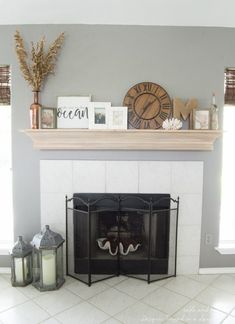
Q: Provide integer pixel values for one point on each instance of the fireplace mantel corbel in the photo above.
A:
(131, 139)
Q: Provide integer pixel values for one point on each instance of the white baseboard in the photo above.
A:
(216, 270)
(5, 270)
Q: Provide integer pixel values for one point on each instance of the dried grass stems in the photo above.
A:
(36, 66)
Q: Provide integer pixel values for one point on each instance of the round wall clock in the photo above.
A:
(148, 105)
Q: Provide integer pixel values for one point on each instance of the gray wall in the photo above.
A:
(106, 61)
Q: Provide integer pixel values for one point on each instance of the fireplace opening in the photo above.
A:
(129, 234)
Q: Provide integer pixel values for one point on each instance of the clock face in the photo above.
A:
(148, 105)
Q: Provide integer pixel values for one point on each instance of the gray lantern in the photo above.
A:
(21, 263)
(48, 272)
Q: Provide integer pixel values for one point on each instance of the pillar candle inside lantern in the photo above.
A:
(48, 269)
(19, 269)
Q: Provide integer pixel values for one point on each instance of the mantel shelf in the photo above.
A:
(84, 139)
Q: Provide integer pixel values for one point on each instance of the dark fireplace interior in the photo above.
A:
(128, 234)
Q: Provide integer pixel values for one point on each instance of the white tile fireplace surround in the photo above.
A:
(178, 178)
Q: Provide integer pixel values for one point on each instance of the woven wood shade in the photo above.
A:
(5, 85)
(229, 83)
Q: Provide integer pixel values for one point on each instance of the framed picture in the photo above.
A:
(47, 117)
(118, 118)
(99, 115)
(72, 112)
(201, 119)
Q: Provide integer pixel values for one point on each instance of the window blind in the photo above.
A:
(229, 84)
(5, 85)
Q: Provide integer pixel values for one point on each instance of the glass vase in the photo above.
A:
(35, 111)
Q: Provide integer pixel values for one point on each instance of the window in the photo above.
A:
(227, 219)
(6, 216)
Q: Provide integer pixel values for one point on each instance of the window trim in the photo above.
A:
(226, 247)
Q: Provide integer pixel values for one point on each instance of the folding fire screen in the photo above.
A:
(129, 234)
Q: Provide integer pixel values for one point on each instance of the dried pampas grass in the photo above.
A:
(40, 63)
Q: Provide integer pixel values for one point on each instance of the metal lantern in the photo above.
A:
(21, 263)
(48, 272)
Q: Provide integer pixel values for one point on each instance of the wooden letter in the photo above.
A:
(182, 109)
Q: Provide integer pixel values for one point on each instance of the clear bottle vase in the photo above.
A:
(214, 118)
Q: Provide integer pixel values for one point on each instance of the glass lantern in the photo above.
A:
(21, 263)
(48, 267)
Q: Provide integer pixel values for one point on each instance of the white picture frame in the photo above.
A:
(201, 119)
(99, 115)
(118, 117)
(73, 111)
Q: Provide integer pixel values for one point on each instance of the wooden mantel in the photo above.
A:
(84, 139)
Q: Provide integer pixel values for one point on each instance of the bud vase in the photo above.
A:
(214, 118)
(35, 111)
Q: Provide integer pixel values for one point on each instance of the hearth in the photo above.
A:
(129, 234)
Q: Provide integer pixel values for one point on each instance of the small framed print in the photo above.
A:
(201, 119)
(99, 115)
(118, 118)
(72, 111)
(48, 117)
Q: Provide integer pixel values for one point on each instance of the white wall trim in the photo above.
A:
(4, 252)
(216, 270)
(6, 247)
(5, 270)
(226, 249)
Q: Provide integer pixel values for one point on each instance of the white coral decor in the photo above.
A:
(172, 123)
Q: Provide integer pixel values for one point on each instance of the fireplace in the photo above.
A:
(59, 178)
(128, 234)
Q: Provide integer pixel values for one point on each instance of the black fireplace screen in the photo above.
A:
(129, 234)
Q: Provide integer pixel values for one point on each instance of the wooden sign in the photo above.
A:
(182, 109)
